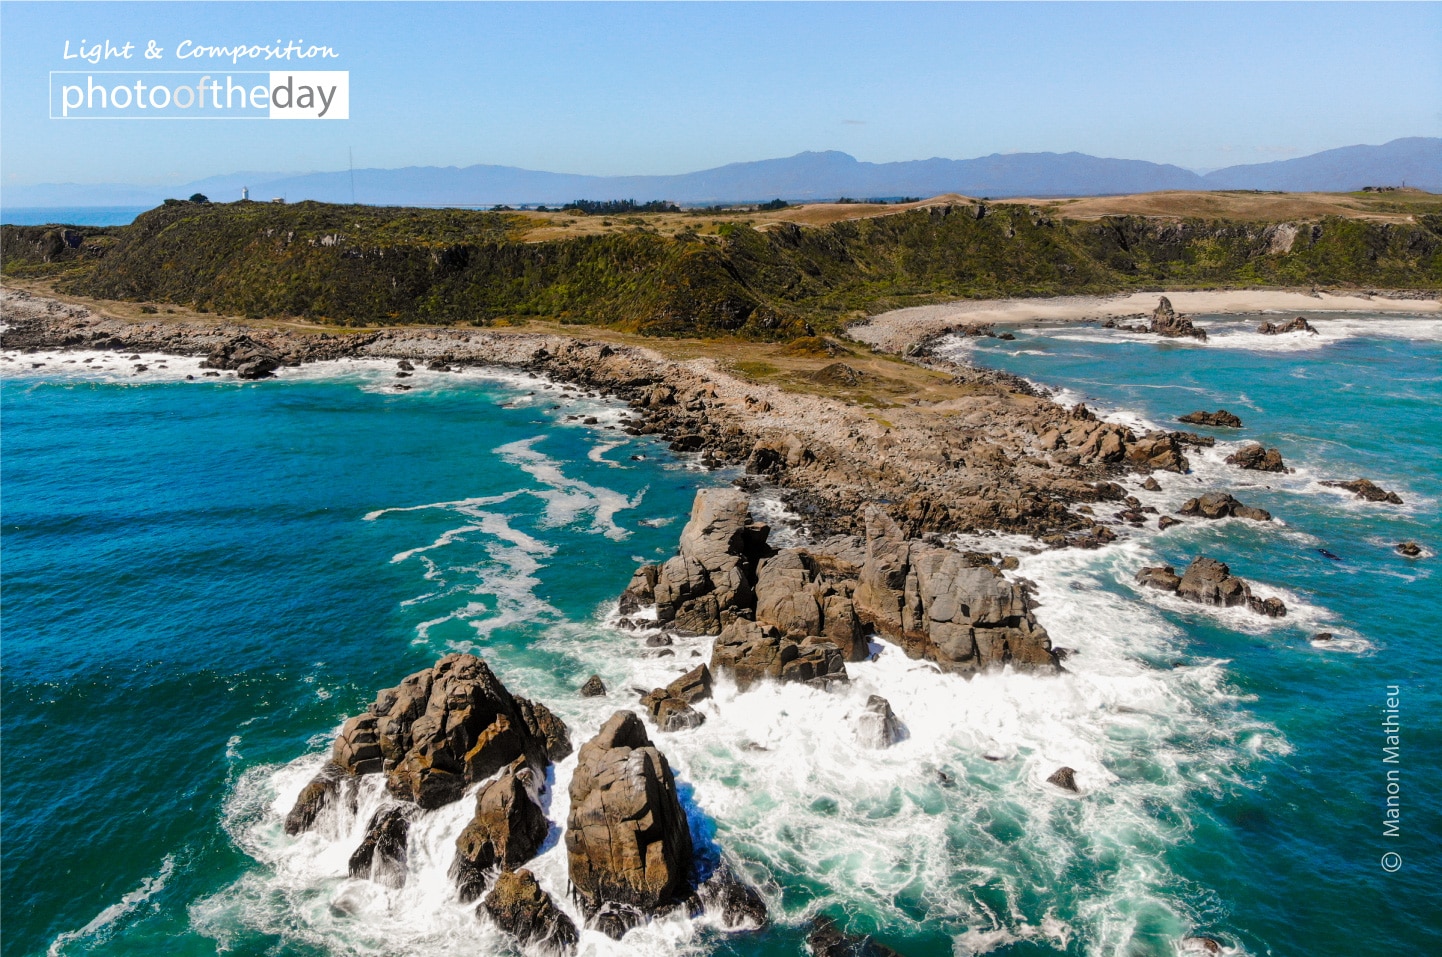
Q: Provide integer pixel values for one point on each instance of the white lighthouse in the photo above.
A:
(244, 193)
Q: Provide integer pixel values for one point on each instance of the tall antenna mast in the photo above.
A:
(350, 153)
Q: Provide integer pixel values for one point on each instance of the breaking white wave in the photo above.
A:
(105, 923)
(567, 498)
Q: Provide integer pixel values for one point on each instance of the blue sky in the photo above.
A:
(614, 88)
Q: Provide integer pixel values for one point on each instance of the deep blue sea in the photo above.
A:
(202, 579)
(70, 215)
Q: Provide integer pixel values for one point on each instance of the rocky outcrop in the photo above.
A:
(937, 605)
(594, 687)
(1298, 324)
(671, 705)
(751, 651)
(1257, 459)
(1064, 778)
(710, 580)
(627, 842)
(1366, 490)
(522, 909)
(1210, 582)
(1409, 549)
(382, 854)
(445, 727)
(1083, 439)
(642, 590)
(877, 726)
(315, 797)
(506, 831)
(828, 940)
(1219, 419)
(248, 358)
(1166, 322)
(793, 594)
(1222, 505)
(731, 899)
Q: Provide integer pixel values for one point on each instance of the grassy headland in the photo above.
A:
(759, 275)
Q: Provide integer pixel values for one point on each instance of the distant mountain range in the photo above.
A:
(1415, 161)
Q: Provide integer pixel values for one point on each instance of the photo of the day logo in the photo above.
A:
(197, 95)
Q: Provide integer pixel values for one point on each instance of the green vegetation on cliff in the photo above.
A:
(360, 265)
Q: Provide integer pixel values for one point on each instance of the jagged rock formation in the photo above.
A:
(1210, 582)
(1257, 459)
(877, 726)
(750, 651)
(627, 842)
(1409, 549)
(938, 606)
(1166, 322)
(1084, 439)
(1064, 778)
(710, 580)
(445, 727)
(828, 940)
(671, 705)
(1221, 505)
(594, 687)
(1366, 490)
(1218, 419)
(382, 855)
(507, 830)
(737, 903)
(315, 797)
(1298, 324)
(248, 358)
(522, 909)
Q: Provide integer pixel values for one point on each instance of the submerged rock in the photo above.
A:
(522, 909)
(382, 855)
(1257, 459)
(627, 840)
(1367, 490)
(828, 940)
(1218, 419)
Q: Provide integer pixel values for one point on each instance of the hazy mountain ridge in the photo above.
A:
(1417, 161)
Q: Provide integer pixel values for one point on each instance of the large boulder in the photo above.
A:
(1257, 459)
(1218, 419)
(795, 594)
(671, 705)
(1222, 505)
(711, 576)
(1211, 582)
(1367, 490)
(642, 590)
(627, 841)
(248, 358)
(939, 605)
(521, 908)
(446, 727)
(1166, 322)
(878, 726)
(750, 651)
(506, 831)
(1157, 450)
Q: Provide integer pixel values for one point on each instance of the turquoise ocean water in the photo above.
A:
(202, 579)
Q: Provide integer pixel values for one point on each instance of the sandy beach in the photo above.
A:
(894, 331)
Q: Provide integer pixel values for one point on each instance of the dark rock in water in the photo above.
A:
(1211, 582)
(405, 366)
(1257, 459)
(507, 830)
(1160, 576)
(1298, 324)
(382, 854)
(1007, 337)
(828, 940)
(1152, 485)
(1365, 489)
(614, 920)
(1221, 505)
(671, 705)
(1064, 778)
(1200, 945)
(1271, 607)
(1218, 419)
(938, 606)
(438, 365)
(246, 357)
(659, 641)
(737, 903)
(751, 651)
(593, 688)
(445, 727)
(1409, 549)
(627, 841)
(545, 726)
(1194, 440)
(1323, 636)
(1166, 521)
(314, 798)
(1166, 322)
(878, 726)
(1330, 556)
(642, 590)
(522, 909)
